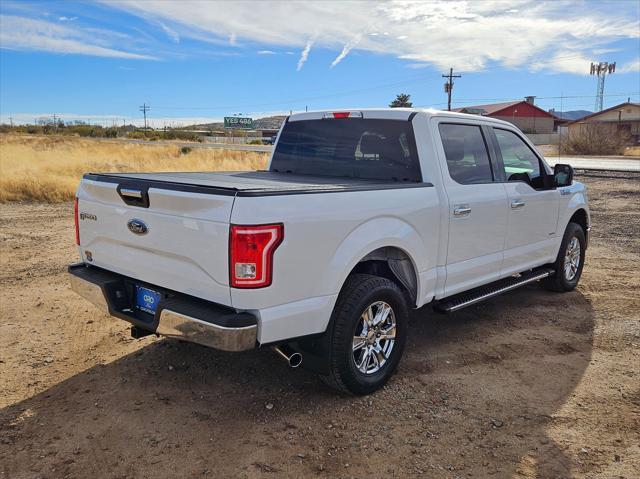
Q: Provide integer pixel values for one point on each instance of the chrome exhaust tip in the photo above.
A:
(292, 357)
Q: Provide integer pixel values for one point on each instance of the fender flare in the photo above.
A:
(366, 238)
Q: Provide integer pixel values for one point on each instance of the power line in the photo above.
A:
(448, 87)
(144, 109)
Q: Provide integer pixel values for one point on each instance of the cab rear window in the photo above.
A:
(373, 149)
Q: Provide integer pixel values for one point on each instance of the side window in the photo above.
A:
(520, 163)
(466, 153)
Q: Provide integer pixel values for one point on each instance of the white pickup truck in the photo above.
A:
(360, 216)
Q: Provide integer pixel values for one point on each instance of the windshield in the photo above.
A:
(349, 147)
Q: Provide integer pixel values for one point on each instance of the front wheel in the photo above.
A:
(570, 260)
(368, 335)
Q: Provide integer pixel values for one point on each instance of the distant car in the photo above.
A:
(360, 216)
(270, 140)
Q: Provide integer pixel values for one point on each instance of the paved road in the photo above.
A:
(616, 163)
(213, 146)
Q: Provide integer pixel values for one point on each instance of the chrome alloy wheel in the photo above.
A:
(572, 259)
(375, 336)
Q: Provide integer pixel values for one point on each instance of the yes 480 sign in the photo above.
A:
(238, 122)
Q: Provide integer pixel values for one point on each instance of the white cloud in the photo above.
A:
(466, 35)
(564, 62)
(629, 67)
(20, 33)
(345, 51)
(171, 33)
(304, 55)
(266, 52)
(67, 19)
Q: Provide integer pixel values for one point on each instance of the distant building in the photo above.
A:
(623, 118)
(524, 114)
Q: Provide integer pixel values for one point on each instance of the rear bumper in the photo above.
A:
(177, 315)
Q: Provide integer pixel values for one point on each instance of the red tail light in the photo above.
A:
(251, 251)
(75, 217)
(342, 114)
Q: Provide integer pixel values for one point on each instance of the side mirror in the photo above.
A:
(562, 175)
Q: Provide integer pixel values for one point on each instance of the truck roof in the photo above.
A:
(393, 114)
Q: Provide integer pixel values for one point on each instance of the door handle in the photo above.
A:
(515, 204)
(461, 211)
(131, 193)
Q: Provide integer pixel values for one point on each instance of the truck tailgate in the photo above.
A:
(184, 248)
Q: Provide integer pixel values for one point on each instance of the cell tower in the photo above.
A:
(601, 70)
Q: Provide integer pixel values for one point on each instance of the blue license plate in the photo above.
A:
(147, 299)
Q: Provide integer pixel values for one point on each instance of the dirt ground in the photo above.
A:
(531, 384)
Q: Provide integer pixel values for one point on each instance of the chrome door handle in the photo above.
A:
(131, 193)
(461, 211)
(517, 204)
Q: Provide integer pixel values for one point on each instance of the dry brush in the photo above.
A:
(49, 168)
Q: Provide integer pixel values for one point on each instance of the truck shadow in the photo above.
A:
(475, 395)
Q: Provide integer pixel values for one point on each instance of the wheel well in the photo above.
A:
(394, 264)
(580, 217)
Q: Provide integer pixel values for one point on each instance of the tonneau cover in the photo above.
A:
(254, 182)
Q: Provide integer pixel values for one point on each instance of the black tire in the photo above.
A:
(559, 281)
(359, 292)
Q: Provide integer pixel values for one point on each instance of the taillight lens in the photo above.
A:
(251, 249)
(75, 217)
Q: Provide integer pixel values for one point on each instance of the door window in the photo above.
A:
(466, 153)
(520, 163)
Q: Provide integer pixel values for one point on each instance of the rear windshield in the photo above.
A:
(349, 147)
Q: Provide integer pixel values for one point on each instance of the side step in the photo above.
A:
(473, 296)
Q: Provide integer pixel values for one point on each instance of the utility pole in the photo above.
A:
(144, 109)
(448, 87)
(11, 121)
(601, 70)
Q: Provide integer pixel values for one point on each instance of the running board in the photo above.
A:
(462, 300)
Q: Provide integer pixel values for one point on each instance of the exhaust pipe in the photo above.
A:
(292, 357)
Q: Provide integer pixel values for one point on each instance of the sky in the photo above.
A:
(198, 61)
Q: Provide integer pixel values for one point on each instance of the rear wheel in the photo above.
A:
(368, 334)
(570, 260)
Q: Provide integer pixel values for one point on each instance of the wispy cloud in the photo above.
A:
(266, 52)
(171, 33)
(67, 19)
(630, 67)
(345, 51)
(467, 35)
(20, 33)
(304, 55)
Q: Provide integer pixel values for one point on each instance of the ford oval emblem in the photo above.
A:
(137, 227)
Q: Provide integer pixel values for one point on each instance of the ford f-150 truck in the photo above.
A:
(361, 216)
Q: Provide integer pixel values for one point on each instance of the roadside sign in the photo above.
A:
(238, 122)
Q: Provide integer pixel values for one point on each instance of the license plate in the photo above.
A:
(147, 299)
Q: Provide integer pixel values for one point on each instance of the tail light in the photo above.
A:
(75, 217)
(251, 249)
(342, 114)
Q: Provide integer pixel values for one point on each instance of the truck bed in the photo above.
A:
(253, 183)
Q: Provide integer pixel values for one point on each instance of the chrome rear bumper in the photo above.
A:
(178, 316)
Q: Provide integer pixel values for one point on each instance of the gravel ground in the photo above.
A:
(531, 384)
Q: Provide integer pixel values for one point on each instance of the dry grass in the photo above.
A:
(49, 168)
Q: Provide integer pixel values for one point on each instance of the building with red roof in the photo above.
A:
(524, 114)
